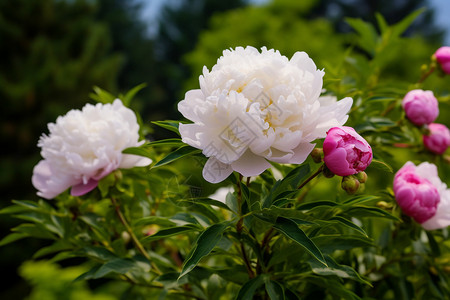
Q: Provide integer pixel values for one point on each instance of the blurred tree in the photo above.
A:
(180, 25)
(281, 24)
(52, 53)
(393, 11)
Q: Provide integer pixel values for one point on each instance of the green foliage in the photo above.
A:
(291, 233)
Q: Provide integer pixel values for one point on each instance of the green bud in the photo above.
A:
(326, 172)
(361, 176)
(317, 155)
(350, 184)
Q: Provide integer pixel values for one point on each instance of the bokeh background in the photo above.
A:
(53, 52)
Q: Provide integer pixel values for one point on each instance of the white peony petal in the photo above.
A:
(250, 164)
(215, 171)
(301, 153)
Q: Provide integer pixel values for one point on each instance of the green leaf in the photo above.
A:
(291, 230)
(58, 246)
(399, 28)
(99, 253)
(335, 269)
(381, 165)
(12, 209)
(207, 240)
(368, 36)
(382, 24)
(171, 231)
(177, 154)
(331, 243)
(161, 221)
(12, 237)
(248, 290)
(207, 201)
(169, 125)
(118, 265)
(126, 99)
(274, 290)
(140, 151)
(314, 204)
(367, 211)
(349, 224)
(167, 142)
(101, 96)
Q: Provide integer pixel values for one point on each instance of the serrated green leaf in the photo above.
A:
(207, 240)
(291, 230)
(169, 125)
(171, 231)
(248, 290)
(177, 154)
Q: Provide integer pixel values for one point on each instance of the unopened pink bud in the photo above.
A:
(438, 140)
(421, 107)
(345, 151)
(443, 58)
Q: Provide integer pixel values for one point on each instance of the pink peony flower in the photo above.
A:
(421, 107)
(421, 195)
(443, 57)
(439, 138)
(345, 151)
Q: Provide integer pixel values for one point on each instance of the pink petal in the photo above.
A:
(81, 189)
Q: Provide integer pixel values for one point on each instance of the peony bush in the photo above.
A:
(260, 192)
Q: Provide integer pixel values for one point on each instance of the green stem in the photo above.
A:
(132, 235)
(311, 177)
(426, 74)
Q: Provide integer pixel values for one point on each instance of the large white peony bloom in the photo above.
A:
(254, 107)
(85, 146)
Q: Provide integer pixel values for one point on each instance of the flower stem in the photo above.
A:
(319, 170)
(132, 235)
(426, 74)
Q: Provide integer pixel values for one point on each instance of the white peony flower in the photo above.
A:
(442, 217)
(85, 146)
(257, 107)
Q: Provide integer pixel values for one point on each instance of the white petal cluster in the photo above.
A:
(254, 107)
(84, 146)
(442, 217)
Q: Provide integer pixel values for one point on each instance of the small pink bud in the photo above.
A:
(416, 195)
(345, 151)
(421, 107)
(443, 58)
(438, 140)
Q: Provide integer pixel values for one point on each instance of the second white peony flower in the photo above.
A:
(85, 146)
(254, 107)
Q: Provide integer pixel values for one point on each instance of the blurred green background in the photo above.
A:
(54, 51)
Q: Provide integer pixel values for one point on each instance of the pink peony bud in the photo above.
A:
(421, 107)
(439, 138)
(443, 57)
(345, 151)
(417, 197)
